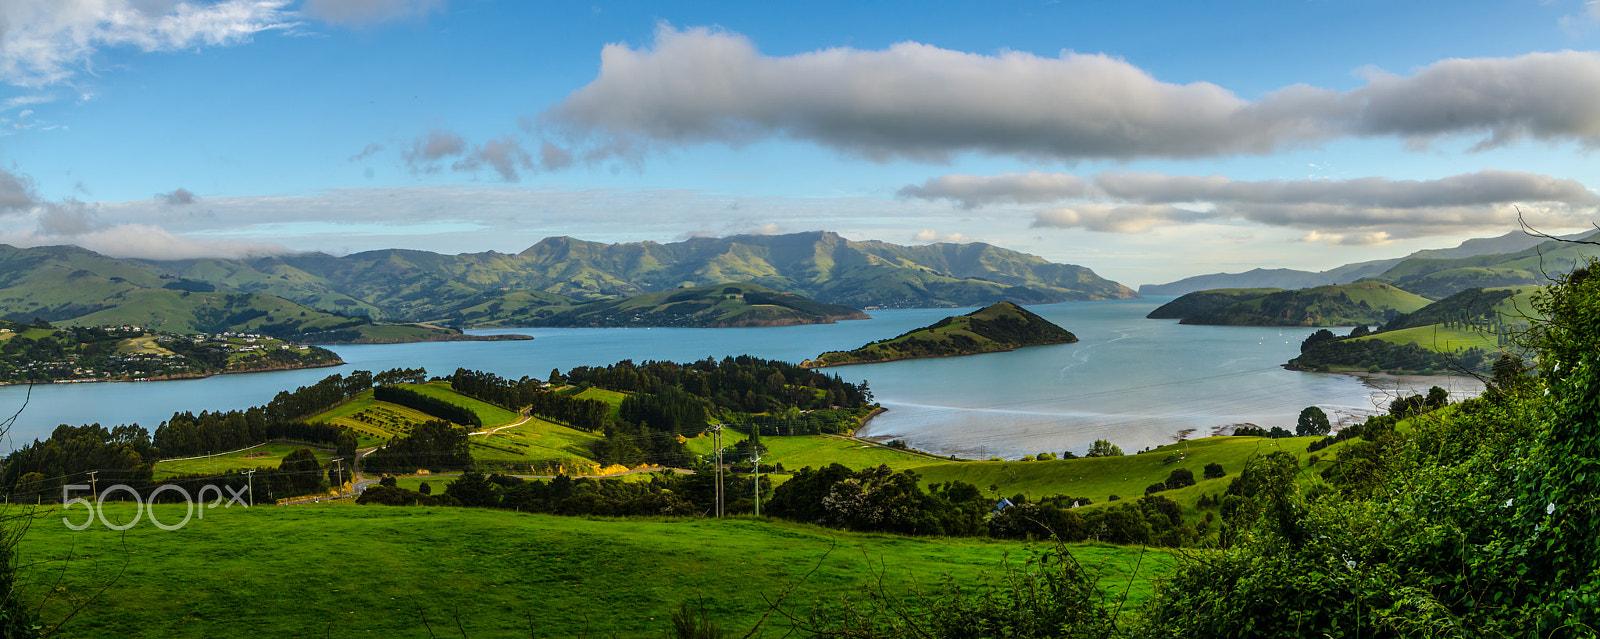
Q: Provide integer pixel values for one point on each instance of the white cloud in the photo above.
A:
(424, 153)
(1356, 209)
(43, 42)
(504, 154)
(1133, 218)
(921, 102)
(930, 235)
(178, 197)
(972, 191)
(363, 13)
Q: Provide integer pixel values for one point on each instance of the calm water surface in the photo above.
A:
(1134, 381)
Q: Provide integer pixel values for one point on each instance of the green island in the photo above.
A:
(1002, 326)
(39, 352)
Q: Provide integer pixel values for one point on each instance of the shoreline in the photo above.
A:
(173, 378)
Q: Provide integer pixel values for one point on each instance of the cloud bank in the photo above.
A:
(26, 220)
(920, 102)
(1355, 211)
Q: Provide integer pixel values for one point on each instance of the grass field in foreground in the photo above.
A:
(377, 571)
(268, 456)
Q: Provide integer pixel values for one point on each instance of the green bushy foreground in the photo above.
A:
(1480, 521)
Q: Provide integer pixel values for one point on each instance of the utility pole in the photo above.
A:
(339, 471)
(716, 433)
(94, 486)
(757, 461)
(250, 478)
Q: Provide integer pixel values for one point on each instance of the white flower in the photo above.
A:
(1550, 509)
(1351, 564)
(1508, 503)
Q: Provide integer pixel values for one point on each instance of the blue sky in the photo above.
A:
(1149, 141)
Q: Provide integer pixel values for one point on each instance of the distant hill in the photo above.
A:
(1341, 305)
(714, 306)
(482, 289)
(1438, 278)
(1281, 278)
(1001, 327)
(71, 286)
(1512, 242)
(422, 286)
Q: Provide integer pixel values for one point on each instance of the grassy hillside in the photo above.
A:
(408, 572)
(714, 306)
(537, 446)
(1340, 305)
(1000, 327)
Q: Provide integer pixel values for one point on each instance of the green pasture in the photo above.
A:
(1126, 476)
(818, 451)
(536, 442)
(265, 456)
(377, 571)
(490, 414)
(1438, 338)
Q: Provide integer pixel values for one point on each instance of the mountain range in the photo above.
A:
(316, 291)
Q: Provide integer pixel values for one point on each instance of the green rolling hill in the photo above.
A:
(71, 286)
(1001, 327)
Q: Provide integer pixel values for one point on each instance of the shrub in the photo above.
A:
(1214, 470)
(1179, 478)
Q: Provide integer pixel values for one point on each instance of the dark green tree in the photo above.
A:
(1103, 448)
(473, 489)
(1313, 423)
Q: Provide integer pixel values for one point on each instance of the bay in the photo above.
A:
(1134, 381)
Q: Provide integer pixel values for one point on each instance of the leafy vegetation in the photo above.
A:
(1002, 326)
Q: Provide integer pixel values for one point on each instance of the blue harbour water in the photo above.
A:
(1134, 381)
